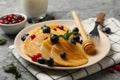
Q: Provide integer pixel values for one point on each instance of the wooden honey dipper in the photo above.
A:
(87, 45)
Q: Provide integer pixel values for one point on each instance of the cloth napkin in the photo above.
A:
(112, 58)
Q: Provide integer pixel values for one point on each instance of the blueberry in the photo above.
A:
(72, 41)
(50, 62)
(54, 38)
(19, 16)
(24, 37)
(41, 60)
(107, 30)
(46, 29)
(76, 30)
(63, 55)
(81, 41)
(76, 38)
(29, 20)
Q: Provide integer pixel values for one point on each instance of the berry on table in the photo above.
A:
(117, 67)
(29, 20)
(107, 30)
(53, 18)
(111, 70)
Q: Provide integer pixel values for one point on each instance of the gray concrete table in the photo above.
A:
(61, 9)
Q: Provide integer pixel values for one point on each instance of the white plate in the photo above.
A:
(103, 47)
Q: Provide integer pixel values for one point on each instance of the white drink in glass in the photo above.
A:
(35, 8)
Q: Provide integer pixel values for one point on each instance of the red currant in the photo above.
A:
(55, 29)
(33, 36)
(38, 55)
(117, 67)
(111, 70)
(53, 18)
(34, 58)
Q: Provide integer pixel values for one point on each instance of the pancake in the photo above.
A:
(75, 55)
(32, 47)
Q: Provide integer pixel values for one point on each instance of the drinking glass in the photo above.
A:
(35, 8)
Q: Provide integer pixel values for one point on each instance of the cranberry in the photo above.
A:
(33, 36)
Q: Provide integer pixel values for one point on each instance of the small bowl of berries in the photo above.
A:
(12, 23)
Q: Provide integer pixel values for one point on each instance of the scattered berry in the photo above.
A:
(54, 38)
(46, 29)
(117, 67)
(72, 41)
(38, 55)
(60, 27)
(29, 20)
(50, 62)
(24, 37)
(55, 29)
(33, 36)
(41, 60)
(63, 55)
(107, 30)
(81, 41)
(53, 18)
(76, 38)
(111, 70)
(76, 30)
(34, 58)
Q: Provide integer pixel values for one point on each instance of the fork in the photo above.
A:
(99, 21)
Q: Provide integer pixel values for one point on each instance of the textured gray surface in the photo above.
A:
(62, 10)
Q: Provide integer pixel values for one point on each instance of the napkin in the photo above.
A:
(112, 58)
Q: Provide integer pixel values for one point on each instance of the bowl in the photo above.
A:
(12, 23)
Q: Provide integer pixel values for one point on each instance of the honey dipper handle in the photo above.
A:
(80, 27)
(100, 18)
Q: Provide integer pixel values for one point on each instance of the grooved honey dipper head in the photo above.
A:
(89, 47)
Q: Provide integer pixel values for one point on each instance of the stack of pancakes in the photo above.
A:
(75, 55)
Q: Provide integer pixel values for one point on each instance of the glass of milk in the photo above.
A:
(35, 8)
